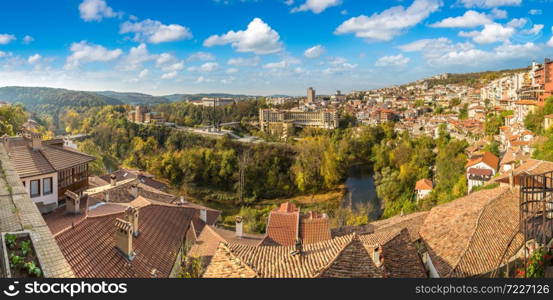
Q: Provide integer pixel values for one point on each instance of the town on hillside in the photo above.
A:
(473, 163)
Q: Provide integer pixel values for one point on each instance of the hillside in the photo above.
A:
(191, 97)
(134, 98)
(473, 79)
(34, 96)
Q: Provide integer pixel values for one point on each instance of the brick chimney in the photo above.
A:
(239, 227)
(131, 216)
(73, 203)
(36, 141)
(123, 238)
(113, 180)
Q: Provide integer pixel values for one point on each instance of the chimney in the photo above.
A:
(123, 238)
(511, 180)
(131, 216)
(134, 190)
(182, 201)
(73, 203)
(377, 255)
(113, 180)
(36, 141)
(106, 196)
(203, 215)
(239, 227)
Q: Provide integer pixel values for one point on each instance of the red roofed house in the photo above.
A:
(481, 169)
(423, 188)
(47, 169)
(286, 225)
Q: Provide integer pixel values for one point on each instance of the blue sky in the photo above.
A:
(263, 47)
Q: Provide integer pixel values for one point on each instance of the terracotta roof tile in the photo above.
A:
(424, 185)
(459, 234)
(89, 247)
(487, 157)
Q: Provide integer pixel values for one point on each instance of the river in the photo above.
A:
(361, 190)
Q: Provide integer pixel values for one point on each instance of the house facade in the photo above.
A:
(47, 169)
(481, 169)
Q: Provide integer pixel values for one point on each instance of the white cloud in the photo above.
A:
(6, 38)
(339, 65)
(28, 39)
(386, 25)
(258, 38)
(316, 6)
(443, 51)
(167, 62)
(490, 34)
(155, 32)
(535, 12)
(84, 52)
(205, 68)
(201, 56)
(536, 29)
(392, 61)
(471, 18)
(136, 57)
(489, 3)
(96, 10)
(499, 13)
(283, 64)
(516, 23)
(244, 62)
(314, 52)
(232, 71)
(550, 43)
(33, 59)
(144, 73)
(169, 75)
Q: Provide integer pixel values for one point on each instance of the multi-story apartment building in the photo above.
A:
(142, 114)
(310, 95)
(327, 119)
(544, 79)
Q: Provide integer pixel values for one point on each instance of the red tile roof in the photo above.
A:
(282, 227)
(49, 159)
(89, 247)
(487, 157)
(424, 185)
(471, 236)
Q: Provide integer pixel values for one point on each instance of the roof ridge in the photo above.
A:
(237, 259)
(478, 223)
(353, 237)
(46, 158)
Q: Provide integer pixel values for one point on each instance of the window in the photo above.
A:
(35, 188)
(47, 186)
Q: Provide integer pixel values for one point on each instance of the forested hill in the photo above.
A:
(189, 97)
(36, 96)
(135, 98)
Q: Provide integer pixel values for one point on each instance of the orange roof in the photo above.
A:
(487, 157)
(424, 185)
